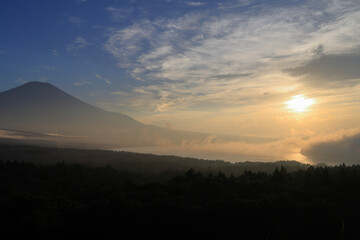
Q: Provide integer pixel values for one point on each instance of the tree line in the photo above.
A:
(62, 200)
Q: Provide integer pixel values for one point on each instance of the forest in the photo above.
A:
(151, 165)
(44, 195)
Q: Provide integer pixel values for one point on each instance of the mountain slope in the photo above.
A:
(43, 108)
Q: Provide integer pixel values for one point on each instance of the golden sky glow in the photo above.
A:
(281, 75)
(299, 103)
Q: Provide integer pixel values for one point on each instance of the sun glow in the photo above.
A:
(299, 103)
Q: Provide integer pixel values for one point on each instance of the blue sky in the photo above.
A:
(63, 42)
(210, 66)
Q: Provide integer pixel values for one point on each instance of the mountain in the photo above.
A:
(43, 108)
(38, 107)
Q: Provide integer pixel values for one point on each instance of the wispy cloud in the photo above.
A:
(42, 68)
(195, 4)
(121, 93)
(98, 76)
(21, 81)
(118, 14)
(50, 68)
(55, 52)
(207, 57)
(77, 44)
(75, 20)
(82, 83)
(235, 4)
(42, 79)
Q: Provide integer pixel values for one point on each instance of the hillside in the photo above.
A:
(136, 162)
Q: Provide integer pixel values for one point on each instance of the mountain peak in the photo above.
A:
(35, 83)
(34, 93)
(38, 85)
(42, 107)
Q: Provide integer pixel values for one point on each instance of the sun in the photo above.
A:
(299, 103)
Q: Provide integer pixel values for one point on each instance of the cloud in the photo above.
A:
(216, 147)
(97, 27)
(42, 68)
(77, 44)
(75, 20)
(217, 56)
(82, 83)
(330, 70)
(169, 125)
(120, 93)
(118, 14)
(21, 81)
(235, 4)
(34, 70)
(335, 149)
(42, 79)
(50, 68)
(55, 52)
(98, 76)
(231, 76)
(195, 4)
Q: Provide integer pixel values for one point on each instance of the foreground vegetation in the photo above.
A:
(68, 200)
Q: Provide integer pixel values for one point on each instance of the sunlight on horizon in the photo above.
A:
(299, 103)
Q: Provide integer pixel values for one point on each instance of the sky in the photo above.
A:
(222, 67)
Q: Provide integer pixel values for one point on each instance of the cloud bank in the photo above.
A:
(330, 71)
(332, 149)
(343, 147)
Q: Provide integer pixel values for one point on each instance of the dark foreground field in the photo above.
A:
(61, 200)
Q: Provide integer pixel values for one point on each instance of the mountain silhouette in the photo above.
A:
(43, 108)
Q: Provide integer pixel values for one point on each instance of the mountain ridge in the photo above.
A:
(44, 92)
(44, 108)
